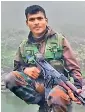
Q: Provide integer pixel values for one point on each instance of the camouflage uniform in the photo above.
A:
(56, 51)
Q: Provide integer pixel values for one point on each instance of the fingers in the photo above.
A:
(37, 70)
(79, 91)
(71, 95)
(34, 75)
(33, 72)
(39, 87)
(78, 102)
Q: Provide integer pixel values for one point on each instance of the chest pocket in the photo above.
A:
(54, 48)
(28, 52)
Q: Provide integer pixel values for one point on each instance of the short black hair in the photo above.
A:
(33, 9)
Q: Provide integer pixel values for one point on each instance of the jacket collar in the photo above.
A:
(48, 33)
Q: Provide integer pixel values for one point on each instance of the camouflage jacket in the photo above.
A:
(68, 57)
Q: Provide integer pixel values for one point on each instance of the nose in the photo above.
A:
(36, 21)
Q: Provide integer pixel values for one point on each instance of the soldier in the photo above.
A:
(26, 80)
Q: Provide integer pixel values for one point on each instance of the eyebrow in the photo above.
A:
(33, 18)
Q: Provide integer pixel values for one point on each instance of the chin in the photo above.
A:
(38, 33)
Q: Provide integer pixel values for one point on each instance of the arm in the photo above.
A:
(71, 64)
(18, 61)
(22, 66)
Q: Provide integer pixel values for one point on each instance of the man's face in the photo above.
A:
(37, 23)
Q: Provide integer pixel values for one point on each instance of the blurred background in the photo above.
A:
(65, 17)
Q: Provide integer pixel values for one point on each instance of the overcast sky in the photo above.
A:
(58, 13)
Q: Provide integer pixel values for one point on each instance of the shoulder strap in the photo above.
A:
(23, 42)
(60, 39)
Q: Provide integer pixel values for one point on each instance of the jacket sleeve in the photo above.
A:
(71, 63)
(18, 61)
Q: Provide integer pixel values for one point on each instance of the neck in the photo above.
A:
(39, 36)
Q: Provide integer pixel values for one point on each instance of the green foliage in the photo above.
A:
(7, 59)
(10, 40)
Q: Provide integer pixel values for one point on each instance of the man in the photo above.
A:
(27, 81)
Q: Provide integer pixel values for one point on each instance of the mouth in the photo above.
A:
(36, 27)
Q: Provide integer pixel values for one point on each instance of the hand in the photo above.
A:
(71, 95)
(33, 72)
(58, 96)
(39, 87)
(78, 91)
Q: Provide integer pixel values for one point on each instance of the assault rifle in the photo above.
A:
(52, 76)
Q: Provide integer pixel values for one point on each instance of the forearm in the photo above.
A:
(71, 64)
(19, 64)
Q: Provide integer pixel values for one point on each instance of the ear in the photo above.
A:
(46, 20)
(26, 22)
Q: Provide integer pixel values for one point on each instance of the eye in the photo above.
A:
(40, 18)
(32, 19)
